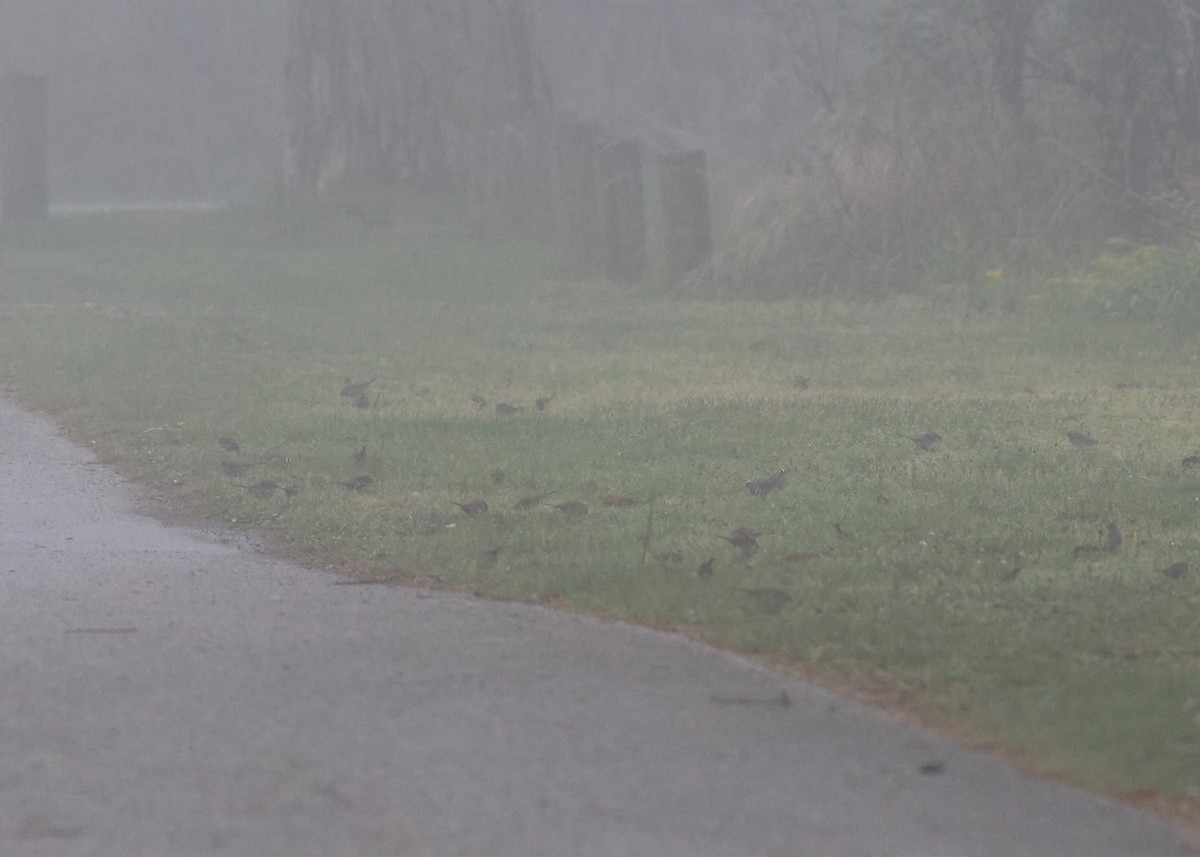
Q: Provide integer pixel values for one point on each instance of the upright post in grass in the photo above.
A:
(24, 148)
(687, 228)
(623, 209)
(576, 195)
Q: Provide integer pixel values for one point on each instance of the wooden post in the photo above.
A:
(576, 196)
(687, 229)
(24, 148)
(623, 209)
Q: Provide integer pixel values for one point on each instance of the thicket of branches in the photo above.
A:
(982, 134)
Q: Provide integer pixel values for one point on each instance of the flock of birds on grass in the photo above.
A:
(742, 539)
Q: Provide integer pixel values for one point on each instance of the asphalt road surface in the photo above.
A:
(164, 694)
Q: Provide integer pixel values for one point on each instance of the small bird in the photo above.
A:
(262, 490)
(765, 485)
(356, 389)
(841, 533)
(472, 508)
(1081, 439)
(571, 508)
(527, 503)
(745, 540)
(926, 442)
(619, 501)
(360, 458)
(1176, 570)
(704, 571)
(770, 600)
(358, 483)
(541, 402)
(1113, 538)
(229, 444)
(504, 409)
(292, 489)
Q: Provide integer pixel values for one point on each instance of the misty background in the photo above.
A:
(155, 101)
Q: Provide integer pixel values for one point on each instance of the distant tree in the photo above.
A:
(390, 91)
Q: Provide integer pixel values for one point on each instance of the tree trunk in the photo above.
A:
(383, 92)
(1010, 23)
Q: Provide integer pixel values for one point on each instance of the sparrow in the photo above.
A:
(704, 571)
(472, 508)
(358, 483)
(229, 444)
(765, 485)
(1081, 439)
(927, 441)
(541, 402)
(527, 503)
(745, 540)
(504, 409)
(1176, 570)
(355, 389)
(360, 458)
(571, 508)
(1113, 538)
(770, 600)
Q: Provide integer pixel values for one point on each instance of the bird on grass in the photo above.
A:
(472, 508)
(229, 444)
(1176, 570)
(1112, 537)
(527, 503)
(356, 389)
(926, 442)
(766, 484)
(362, 402)
(745, 540)
(1081, 439)
(571, 508)
(770, 600)
(704, 571)
(542, 402)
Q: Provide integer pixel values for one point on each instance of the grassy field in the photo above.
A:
(973, 585)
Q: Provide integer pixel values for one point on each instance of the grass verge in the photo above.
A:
(956, 584)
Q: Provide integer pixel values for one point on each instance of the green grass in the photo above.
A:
(151, 337)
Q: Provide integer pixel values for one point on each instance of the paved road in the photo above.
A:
(165, 695)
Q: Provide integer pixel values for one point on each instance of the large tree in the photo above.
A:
(390, 91)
